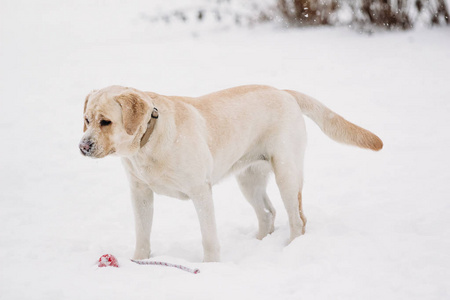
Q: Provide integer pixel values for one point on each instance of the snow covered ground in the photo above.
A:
(378, 225)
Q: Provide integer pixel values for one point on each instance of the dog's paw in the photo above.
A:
(296, 234)
(267, 226)
(140, 255)
(211, 257)
(260, 235)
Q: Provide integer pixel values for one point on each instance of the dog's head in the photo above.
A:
(115, 119)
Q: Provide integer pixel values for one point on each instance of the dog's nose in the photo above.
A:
(85, 147)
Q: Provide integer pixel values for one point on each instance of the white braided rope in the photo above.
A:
(161, 263)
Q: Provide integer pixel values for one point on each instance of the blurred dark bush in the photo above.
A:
(366, 14)
(402, 14)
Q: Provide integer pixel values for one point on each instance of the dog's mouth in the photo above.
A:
(96, 154)
(84, 153)
(90, 154)
(112, 151)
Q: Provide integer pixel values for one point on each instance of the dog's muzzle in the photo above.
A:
(86, 147)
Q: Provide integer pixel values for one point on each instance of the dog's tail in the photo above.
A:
(335, 126)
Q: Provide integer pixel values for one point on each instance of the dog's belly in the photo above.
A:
(255, 159)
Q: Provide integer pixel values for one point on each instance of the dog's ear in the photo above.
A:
(85, 105)
(134, 109)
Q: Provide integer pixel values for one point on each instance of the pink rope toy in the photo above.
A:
(161, 263)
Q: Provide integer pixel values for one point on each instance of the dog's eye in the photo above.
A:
(87, 121)
(104, 123)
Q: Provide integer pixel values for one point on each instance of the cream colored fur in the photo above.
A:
(248, 131)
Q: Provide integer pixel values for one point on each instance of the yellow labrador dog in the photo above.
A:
(182, 146)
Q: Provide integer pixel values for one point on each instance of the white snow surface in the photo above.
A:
(378, 222)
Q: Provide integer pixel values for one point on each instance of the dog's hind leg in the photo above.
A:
(252, 182)
(289, 178)
(300, 208)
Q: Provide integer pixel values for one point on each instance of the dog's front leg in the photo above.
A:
(142, 199)
(204, 206)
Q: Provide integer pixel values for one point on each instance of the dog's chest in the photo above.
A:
(159, 177)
